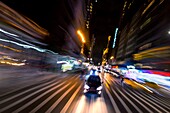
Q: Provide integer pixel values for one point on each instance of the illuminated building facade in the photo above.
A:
(143, 37)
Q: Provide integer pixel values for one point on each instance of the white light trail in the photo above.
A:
(8, 33)
(23, 45)
(115, 38)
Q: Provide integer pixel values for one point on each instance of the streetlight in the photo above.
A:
(169, 32)
(112, 57)
(82, 39)
(81, 36)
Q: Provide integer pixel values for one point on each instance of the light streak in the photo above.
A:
(8, 33)
(115, 38)
(23, 45)
(81, 35)
(13, 49)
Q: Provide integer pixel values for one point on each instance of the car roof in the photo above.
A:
(94, 76)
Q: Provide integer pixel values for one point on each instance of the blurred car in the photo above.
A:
(151, 84)
(106, 70)
(67, 66)
(93, 84)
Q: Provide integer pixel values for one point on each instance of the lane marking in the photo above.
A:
(113, 102)
(13, 91)
(64, 110)
(157, 101)
(123, 103)
(26, 97)
(139, 111)
(47, 99)
(166, 100)
(35, 99)
(19, 94)
(53, 77)
(145, 101)
(139, 102)
(153, 103)
(59, 100)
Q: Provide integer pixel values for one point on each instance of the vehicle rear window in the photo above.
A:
(94, 79)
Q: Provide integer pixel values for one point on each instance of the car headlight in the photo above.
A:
(86, 86)
(99, 88)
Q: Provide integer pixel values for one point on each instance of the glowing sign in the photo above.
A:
(115, 38)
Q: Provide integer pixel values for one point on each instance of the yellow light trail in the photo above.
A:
(81, 35)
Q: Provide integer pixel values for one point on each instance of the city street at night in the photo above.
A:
(84, 56)
(63, 92)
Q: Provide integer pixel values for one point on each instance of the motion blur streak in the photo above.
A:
(143, 87)
(59, 100)
(122, 102)
(14, 64)
(80, 105)
(146, 102)
(29, 103)
(15, 103)
(153, 103)
(28, 91)
(81, 35)
(161, 73)
(45, 101)
(136, 78)
(113, 102)
(143, 105)
(8, 33)
(161, 52)
(157, 101)
(71, 100)
(13, 49)
(130, 102)
(101, 103)
(96, 105)
(23, 45)
(63, 93)
(22, 23)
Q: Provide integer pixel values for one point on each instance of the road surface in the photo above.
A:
(54, 93)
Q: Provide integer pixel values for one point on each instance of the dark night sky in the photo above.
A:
(52, 14)
(106, 17)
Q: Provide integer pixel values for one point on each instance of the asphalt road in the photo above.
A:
(64, 93)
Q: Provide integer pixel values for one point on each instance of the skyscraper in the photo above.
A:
(144, 37)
